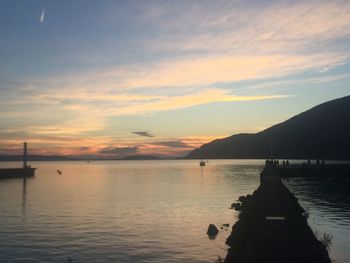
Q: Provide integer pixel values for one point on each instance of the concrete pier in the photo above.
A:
(309, 170)
(25, 171)
(273, 228)
(7, 173)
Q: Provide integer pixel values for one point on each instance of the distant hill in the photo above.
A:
(140, 157)
(19, 158)
(322, 132)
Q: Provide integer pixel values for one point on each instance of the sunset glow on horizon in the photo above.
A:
(118, 78)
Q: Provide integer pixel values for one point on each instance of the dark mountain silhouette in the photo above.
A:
(322, 132)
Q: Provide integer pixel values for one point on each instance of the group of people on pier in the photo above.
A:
(276, 163)
(318, 162)
(285, 163)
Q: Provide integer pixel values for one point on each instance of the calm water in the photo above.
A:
(328, 204)
(144, 211)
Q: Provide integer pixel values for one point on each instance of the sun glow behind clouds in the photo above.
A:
(197, 54)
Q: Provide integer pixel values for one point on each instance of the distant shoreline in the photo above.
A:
(160, 159)
(85, 160)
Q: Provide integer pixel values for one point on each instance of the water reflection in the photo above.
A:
(16, 187)
(24, 196)
(120, 211)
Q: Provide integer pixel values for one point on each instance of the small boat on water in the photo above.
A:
(201, 163)
(25, 171)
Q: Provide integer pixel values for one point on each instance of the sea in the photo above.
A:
(147, 211)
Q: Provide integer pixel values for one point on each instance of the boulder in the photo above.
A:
(212, 230)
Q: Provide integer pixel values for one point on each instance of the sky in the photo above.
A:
(115, 78)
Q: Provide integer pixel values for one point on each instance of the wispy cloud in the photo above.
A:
(282, 27)
(119, 150)
(203, 70)
(144, 133)
(305, 82)
(183, 101)
(89, 99)
(173, 144)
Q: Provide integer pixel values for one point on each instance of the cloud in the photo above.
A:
(172, 144)
(84, 148)
(191, 54)
(305, 82)
(208, 69)
(278, 27)
(119, 150)
(234, 42)
(143, 133)
(89, 98)
(192, 99)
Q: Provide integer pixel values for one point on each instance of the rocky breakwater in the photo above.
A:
(272, 227)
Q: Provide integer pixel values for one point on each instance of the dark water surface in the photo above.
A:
(144, 211)
(328, 204)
